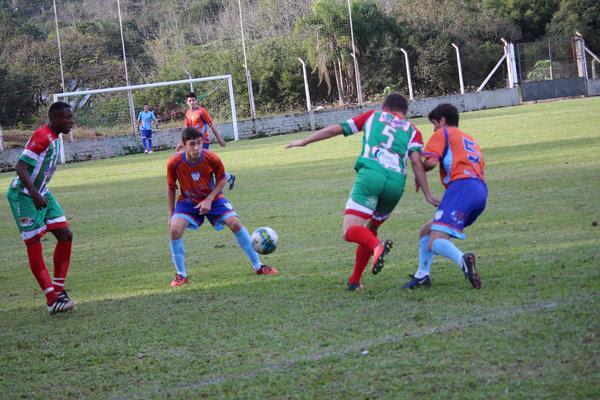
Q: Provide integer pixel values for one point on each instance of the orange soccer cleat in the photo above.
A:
(179, 281)
(266, 270)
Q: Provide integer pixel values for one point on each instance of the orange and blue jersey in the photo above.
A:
(458, 153)
(199, 118)
(196, 179)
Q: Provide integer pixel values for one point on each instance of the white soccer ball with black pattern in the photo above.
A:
(264, 240)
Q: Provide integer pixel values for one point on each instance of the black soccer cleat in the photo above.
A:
(64, 296)
(231, 181)
(417, 282)
(353, 287)
(379, 255)
(468, 267)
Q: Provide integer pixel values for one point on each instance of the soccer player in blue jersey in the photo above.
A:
(36, 210)
(461, 165)
(389, 141)
(145, 119)
(200, 175)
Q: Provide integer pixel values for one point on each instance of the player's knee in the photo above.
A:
(175, 233)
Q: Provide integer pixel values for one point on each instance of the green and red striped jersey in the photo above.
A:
(388, 140)
(41, 156)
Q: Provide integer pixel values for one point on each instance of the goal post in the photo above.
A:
(104, 112)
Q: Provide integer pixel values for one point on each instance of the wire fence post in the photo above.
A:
(311, 115)
(248, 77)
(359, 96)
(1, 139)
(129, 95)
(410, 88)
(62, 74)
(460, 75)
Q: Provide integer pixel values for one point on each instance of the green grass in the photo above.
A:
(531, 332)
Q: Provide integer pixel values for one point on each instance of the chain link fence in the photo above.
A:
(540, 61)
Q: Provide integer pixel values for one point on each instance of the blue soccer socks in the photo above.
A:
(178, 255)
(245, 243)
(425, 257)
(446, 248)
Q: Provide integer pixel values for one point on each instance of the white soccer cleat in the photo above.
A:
(61, 305)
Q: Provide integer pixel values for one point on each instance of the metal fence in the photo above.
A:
(540, 61)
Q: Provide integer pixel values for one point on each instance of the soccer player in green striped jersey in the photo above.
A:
(36, 211)
(389, 141)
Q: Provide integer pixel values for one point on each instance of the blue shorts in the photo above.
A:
(205, 146)
(146, 133)
(220, 211)
(463, 201)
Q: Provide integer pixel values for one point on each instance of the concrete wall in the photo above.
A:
(593, 87)
(106, 147)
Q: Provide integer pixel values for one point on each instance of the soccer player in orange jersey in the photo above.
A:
(199, 118)
(36, 210)
(462, 173)
(201, 178)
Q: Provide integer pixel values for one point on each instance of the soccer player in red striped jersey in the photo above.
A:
(389, 140)
(36, 211)
(201, 178)
(461, 165)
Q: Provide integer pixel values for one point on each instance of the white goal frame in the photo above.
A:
(56, 97)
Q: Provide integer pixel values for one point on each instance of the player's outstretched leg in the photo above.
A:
(245, 242)
(421, 278)
(466, 262)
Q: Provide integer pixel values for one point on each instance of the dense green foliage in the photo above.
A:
(530, 333)
(169, 39)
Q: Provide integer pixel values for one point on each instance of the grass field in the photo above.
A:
(533, 331)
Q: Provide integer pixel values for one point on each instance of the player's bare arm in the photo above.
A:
(206, 205)
(213, 127)
(38, 199)
(430, 163)
(322, 134)
(421, 178)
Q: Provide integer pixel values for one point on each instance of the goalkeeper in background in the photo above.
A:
(145, 119)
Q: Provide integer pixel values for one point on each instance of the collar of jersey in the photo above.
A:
(184, 157)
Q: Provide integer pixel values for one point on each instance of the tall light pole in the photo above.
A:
(356, 71)
(410, 89)
(460, 76)
(129, 95)
(62, 74)
(248, 77)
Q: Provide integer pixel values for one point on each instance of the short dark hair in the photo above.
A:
(189, 134)
(448, 111)
(57, 107)
(395, 102)
(146, 104)
(191, 94)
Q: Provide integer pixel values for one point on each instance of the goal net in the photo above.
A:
(110, 112)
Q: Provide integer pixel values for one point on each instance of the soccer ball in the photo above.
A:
(264, 240)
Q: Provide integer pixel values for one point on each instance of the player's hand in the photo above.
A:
(295, 143)
(432, 200)
(38, 200)
(204, 206)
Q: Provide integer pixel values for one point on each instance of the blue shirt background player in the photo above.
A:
(145, 119)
